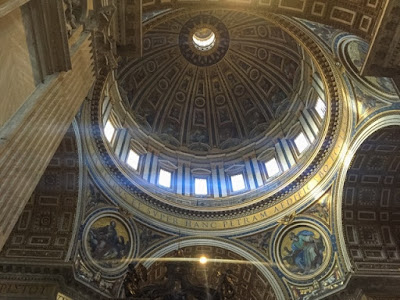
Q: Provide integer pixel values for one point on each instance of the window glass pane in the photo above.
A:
(133, 159)
(237, 182)
(301, 142)
(320, 107)
(272, 167)
(109, 131)
(165, 178)
(200, 186)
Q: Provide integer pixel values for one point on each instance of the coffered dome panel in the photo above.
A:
(211, 100)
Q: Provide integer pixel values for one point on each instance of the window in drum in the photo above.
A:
(237, 182)
(133, 159)
(272, 167)
(200, 186)
(301, 142)
(164, 178)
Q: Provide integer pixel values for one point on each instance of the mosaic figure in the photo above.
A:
(108, 242)
(306, 253)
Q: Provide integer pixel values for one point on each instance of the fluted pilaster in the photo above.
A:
(37, 130)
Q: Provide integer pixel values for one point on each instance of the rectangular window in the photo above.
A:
(133, 159)
(272, 167)
(320, 107)
(237, 182)
(109, 131)
(164, 178)
(301, 142)
(200, 186)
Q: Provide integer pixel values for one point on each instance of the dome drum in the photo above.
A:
(296, 163)
(251, 158)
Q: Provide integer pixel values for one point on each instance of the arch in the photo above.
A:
(379, 121)
(198, 241)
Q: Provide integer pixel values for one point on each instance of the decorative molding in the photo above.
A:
(342, 14)
(50, 33)
(129, 34)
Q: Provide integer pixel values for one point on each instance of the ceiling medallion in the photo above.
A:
(108, 243)
(204, 40)
(303, 251)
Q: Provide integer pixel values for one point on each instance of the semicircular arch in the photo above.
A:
(375, 124)
(261, 267)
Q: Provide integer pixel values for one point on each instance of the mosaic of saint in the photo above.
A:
(108, 242)
(303, 251)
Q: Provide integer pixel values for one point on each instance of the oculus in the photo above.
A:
(204, 39)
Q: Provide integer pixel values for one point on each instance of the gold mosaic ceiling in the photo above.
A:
(213, 100)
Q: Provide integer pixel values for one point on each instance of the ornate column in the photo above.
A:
(32, 136)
